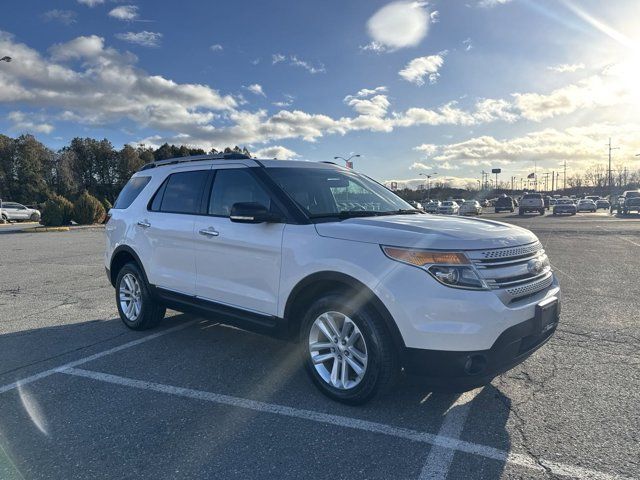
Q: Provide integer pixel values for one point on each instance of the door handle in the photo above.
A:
(209, 232)
(144, 224)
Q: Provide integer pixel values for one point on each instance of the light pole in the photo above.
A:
(347, 161)
(428, 175)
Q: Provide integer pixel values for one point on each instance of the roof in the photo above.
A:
(239, 156)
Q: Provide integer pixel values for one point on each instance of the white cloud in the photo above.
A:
(66, 17)
(23, 123)
(376, 106)
(566, 67)
(373, 46)
(423, 67)
(466, 43)
(216, 47)
(399, 24)
(276, 151)
(366, 92)
(107, 87)
(288, 100)
(434, 16)
(296, 61)
(426, 148)
(125, 12)
(581, 146)
(91, 3)
(256, 89)
(144, 38)
(491, 3)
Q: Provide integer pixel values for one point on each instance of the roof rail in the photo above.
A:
(196, 158)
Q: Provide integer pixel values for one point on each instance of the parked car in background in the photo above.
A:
(13, 211)
(595, 198)
(470, 207)
(631, 201)
(416, 205)
(531, 202)
(552, 201)
(432, 206)
(602, 203)
(586, 205)
(547, 201)
(564, 206)
(448, 208)
(505, 204)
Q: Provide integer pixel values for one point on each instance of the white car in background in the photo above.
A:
(448, 208)
(586, 205)
(470, 207)
(13, 211)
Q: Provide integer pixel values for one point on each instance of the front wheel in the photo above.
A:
(347, 350)
(137, 308)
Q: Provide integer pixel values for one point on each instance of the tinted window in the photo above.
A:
(131, 191)
(530, 196)
(234, 186)
(183, 192)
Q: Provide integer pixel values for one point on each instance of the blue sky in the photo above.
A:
(414, 87)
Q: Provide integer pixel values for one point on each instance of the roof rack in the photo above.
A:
(196, 158)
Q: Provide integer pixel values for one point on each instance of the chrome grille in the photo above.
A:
(506, 269)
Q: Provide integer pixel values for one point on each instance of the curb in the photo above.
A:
(46, 229)
(42, 229)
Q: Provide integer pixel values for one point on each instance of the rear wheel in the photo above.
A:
(34, 217)
(137, 308)
(347, 350)
(542, 211)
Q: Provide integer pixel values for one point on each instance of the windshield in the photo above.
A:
(329, 192)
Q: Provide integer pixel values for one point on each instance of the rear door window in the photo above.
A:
(181, 193)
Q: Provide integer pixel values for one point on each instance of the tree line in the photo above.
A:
(31, 172)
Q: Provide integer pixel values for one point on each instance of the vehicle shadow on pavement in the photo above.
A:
(212, 357)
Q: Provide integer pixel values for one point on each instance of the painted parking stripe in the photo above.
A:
(439, 460)
(517, 459)
(75, 363)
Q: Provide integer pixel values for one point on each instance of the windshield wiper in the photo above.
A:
(348, 214)
(363, 213)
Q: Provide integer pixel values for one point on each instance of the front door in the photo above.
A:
(238, 264)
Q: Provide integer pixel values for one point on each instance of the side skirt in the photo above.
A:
(255, 322)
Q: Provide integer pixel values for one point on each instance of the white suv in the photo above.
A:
(326, 257)
(16, 211)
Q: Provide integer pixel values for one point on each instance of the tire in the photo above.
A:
(520, 212)
(34, 217)
(149, 311)
(381, 367)
(542, 212)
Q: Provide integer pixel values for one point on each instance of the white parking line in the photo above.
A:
(75, 363)
(439, 460)
(518, 459)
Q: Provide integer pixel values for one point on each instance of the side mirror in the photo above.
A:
(251, 212)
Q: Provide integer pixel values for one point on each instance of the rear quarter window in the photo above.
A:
(130, 192)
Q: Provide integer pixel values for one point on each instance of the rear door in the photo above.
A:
(238, 264)
(166, 230)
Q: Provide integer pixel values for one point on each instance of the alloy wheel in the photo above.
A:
(338, 350)
(130, 297)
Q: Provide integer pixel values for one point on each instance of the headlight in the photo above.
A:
(452, 269)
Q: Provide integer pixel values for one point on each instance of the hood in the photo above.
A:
(428, 231)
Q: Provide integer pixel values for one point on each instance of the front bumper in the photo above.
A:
(461, 371)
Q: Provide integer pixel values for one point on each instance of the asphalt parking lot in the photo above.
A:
(83, 397)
